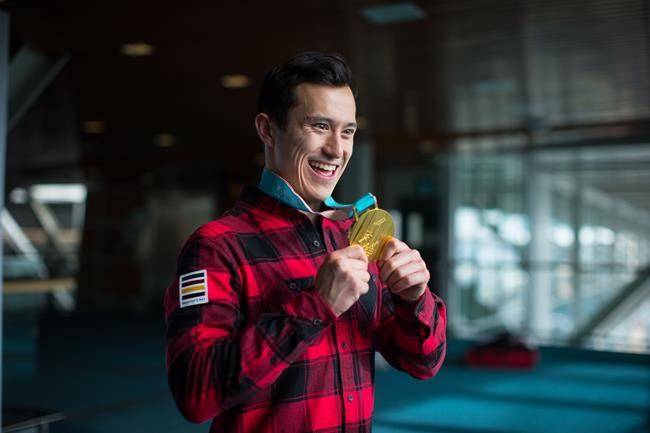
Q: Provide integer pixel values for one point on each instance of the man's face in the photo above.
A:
(315, 147)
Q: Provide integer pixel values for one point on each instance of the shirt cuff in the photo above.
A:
(416, 311)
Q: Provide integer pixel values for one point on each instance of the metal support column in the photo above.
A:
(629, 297)
(52, 227)
(31, 74)
(539, 308)
(4, 85)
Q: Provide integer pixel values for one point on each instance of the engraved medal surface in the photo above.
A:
(372, 230)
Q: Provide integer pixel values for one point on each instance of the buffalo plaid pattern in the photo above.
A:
(265, 353)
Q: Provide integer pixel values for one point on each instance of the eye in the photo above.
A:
(321, 125)
(349, 131)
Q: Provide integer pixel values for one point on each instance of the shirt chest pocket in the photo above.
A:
(277, 292)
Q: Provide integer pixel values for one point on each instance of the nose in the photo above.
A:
(334, 146)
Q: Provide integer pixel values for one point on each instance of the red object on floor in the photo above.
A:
(506, 351)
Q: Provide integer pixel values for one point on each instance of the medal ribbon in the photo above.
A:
(278, 188)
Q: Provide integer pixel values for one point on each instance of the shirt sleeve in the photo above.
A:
(411, 335)
(216, 359)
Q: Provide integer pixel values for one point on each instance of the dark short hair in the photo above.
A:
(278, 91)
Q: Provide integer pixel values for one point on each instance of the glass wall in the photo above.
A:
(545, 240)
(549, 168)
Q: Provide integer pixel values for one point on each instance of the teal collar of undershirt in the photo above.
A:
(278, 188)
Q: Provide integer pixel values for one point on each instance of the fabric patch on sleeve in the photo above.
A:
(193, 288)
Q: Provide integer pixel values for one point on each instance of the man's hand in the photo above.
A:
(343, 278)
(403, 270)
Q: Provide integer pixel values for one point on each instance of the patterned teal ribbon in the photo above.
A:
(278, 188)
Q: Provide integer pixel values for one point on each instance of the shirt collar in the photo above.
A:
(254, 200)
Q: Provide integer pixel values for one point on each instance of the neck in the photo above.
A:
(313, 217)
(315, 206)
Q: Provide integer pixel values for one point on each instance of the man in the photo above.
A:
(273, 320)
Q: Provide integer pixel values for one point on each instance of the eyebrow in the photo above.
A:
(328, 120)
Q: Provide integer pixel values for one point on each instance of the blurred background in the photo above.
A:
(510, 139)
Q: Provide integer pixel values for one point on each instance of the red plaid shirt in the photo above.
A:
(261, 351)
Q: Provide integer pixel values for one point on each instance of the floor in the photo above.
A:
(105, 373)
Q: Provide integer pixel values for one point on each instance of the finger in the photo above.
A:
(354, 251)
(349, 258)
(398, 260)
(359, 294)
(412, 293)
(402, 271)
(361, 275)
(392, 247)
(359, 289)
(356, 264)
(363, 290)
(402, 258)
(420, 278)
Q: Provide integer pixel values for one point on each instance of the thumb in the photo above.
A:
(355, 251)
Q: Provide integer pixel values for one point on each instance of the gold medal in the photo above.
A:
(372, 230)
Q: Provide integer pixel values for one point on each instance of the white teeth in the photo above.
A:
(322, 166)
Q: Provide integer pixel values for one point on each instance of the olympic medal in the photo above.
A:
(372, 230)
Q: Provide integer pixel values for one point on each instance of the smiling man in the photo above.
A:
(311, 148)
(273, 319)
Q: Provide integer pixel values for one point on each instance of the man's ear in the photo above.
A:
(265, 129)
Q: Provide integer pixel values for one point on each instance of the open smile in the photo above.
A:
(324, 169)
